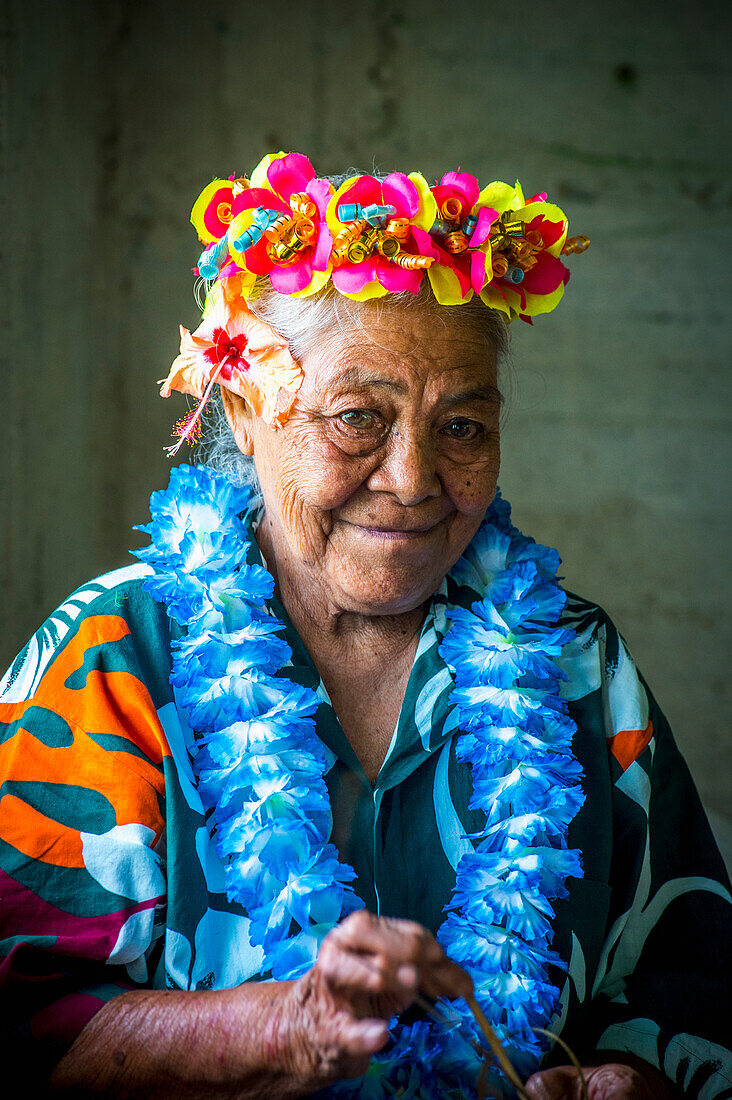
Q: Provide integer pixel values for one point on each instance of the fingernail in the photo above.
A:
(407, 976)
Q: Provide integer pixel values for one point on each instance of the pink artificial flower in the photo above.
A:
(471, 268)
(211, 214)
(540, 283)
(375, 275)
(275, 181)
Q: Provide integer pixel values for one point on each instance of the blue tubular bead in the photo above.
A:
(514, 275)
(248, 238)
(350, 212)
(263, 217)
(207, 266)
(212, 258)
(441, 228)
(469, 225)
(377, 215)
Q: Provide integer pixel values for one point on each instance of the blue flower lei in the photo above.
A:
(261, 770)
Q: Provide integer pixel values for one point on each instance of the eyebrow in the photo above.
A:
(487, 393)
(357, 378)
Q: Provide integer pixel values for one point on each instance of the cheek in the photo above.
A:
(313, 477)
(472, 487)
(315, 471)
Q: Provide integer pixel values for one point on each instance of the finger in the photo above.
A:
(364, 1037)
(561, 1083)
(402, 939)
(351, 975)
(617, 1082)
(411, 945)
(405, 941)
(408, 976)
(446, 979)
(358, 1040)
(437, 975)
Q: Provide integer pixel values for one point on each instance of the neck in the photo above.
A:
(352, 652)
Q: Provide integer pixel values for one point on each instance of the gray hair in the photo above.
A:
(308, 322)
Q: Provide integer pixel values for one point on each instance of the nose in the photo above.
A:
(408, 471)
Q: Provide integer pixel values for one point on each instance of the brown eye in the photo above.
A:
(466, 431)
(361, 420)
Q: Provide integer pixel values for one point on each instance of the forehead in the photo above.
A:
(406, 350)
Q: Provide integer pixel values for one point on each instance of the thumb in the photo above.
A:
(562, 1083)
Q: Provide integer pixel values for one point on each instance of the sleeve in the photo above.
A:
(82, 860)
(662, 984)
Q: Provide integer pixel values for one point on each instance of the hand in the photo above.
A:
(369, 968)
(608, 1081)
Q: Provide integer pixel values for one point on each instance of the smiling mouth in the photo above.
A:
(395, 534)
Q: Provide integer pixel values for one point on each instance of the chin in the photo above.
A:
(382, 592)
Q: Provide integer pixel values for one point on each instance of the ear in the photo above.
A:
(239, 416)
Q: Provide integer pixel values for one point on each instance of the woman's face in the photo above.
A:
(385, 468)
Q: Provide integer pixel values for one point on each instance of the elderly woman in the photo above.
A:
(339, 778)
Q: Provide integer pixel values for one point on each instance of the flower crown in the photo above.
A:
(368, 237)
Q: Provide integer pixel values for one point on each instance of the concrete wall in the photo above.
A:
(116, 114)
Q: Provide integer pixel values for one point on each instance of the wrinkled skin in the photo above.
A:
(373, 489)
(369, 968)
(263, 1040)
(382, 474)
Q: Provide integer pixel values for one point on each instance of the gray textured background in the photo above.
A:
(116, 114)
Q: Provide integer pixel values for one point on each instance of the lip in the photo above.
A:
(397, 534)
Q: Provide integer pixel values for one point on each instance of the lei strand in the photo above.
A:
(260, 769)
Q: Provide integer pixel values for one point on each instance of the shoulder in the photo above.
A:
(109, 623)
(596, 653)
(602, 682)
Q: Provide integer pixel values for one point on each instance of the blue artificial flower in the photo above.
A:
(312, 893)
(499, 514)
(484, 558)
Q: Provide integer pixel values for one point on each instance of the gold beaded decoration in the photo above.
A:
(289, 233)
(575, 244)
(412, 263)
